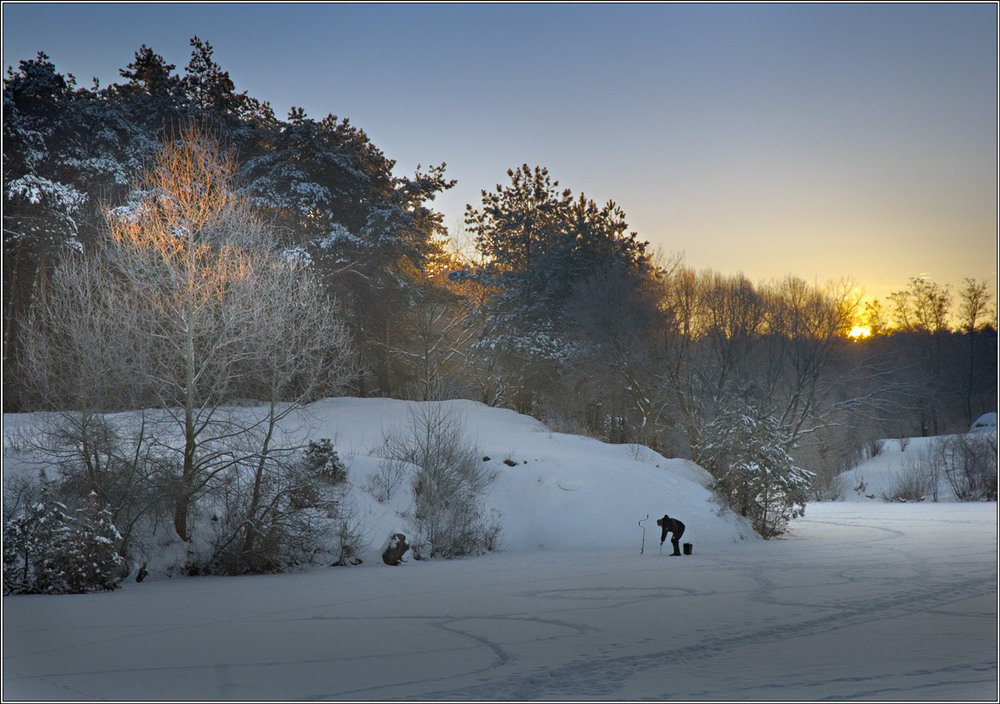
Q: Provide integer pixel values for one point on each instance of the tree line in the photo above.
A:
(172, 246)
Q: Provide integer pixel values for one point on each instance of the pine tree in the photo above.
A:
(539, 244)
(49, 549)
(151, 74)
(27, 541)
(364, 231)
(754, 474)
(84, 555)
(211, 90)
(66, 155)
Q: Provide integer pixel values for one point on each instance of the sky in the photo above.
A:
(825, 141)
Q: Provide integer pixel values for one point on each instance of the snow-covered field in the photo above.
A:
(861, 600)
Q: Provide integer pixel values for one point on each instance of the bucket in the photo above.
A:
(687, 548)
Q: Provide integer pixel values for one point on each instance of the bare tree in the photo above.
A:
(191, 309)
(439, 331)
(807, 332)
(615, 317)
(923, 305)
(875, 317)
(975, 316)
(974, 305)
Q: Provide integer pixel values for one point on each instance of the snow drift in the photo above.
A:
(552, 491)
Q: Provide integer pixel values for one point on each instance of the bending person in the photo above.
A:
(671, 525)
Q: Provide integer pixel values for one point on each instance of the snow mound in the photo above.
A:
(876, 477)
(986, 423)
(553, 491)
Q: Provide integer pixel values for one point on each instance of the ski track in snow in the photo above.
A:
(599, 677)
(871, 602)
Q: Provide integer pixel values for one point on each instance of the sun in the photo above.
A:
(859, 333)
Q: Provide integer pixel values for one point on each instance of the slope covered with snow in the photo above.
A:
(552, 491)
(877, 478)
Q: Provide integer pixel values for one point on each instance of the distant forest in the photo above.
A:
(545, 303)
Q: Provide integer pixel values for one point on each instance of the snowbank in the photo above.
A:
(552, 491)
(876, 477)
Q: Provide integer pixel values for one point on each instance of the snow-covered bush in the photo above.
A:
(85, 553)
(284, 511)
(322, 461)
(266, 518)
(50, 549)
(112, 456)
(969, 462)
(754, 475)
(917, 480)
(29, 524)
(449, 514)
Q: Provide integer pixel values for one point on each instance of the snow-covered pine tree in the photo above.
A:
(48, 549)
(84, 554)
(27, 539)
(364, 231)
(322, 461)
(744, 449)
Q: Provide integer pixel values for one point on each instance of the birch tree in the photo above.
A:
(194, 312)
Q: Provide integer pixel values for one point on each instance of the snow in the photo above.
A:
(875, 477)
(860, 600)
(986, 423)
(36, 189)
(338, 234)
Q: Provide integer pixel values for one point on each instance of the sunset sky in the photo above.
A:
(820, 140)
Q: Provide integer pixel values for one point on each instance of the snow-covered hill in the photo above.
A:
(861, 600)
(552, 491)
(877, 477)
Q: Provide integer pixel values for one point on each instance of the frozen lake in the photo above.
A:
(860, 601)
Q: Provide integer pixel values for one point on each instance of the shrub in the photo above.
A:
(322, 461)
(267, 521)
(85, 552)
(917, 479)
(448, 515)
(348, 543)
(970, 464)
(281, 512)
(50, 549)
(111, 456)
(874, 447)
(390, 476)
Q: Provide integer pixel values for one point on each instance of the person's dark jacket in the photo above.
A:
(671, 525)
